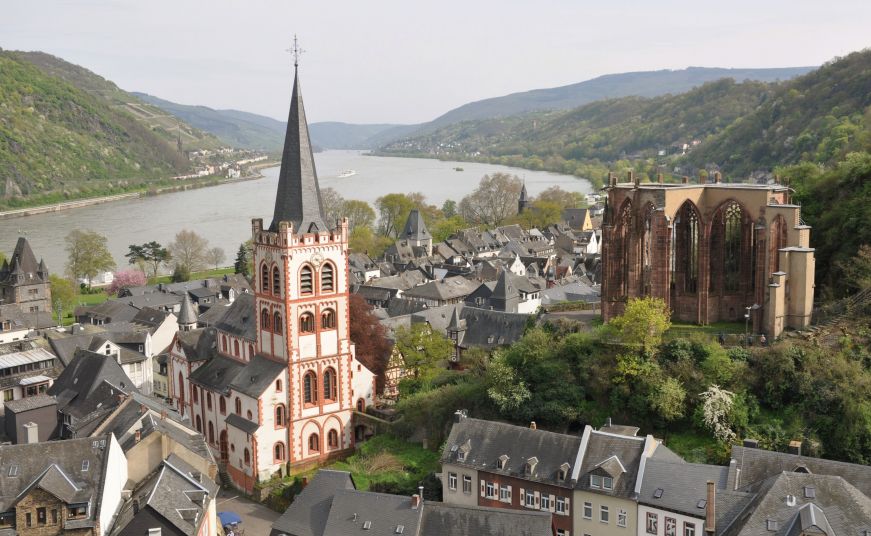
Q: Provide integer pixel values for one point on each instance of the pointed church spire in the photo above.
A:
(299, 197)
(523, 202)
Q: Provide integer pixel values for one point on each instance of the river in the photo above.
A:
(223, 214)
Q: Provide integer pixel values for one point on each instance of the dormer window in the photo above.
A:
(502, 462)
(595, 481)
(564, 472)
(464, 450)
(607, 482)
(529, 467)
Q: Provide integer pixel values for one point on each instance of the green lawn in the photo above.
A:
(694, 446)
(681, 330)
(220, 272)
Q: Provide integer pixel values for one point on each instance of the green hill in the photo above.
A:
(59, 140)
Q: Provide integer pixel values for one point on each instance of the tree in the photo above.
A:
(88, 255)
(506, 389)
(449, 208)
(63, 295)
(359, 214)
(242, 261)
(562, 198)
(393, 210)
(668, 399)
(494, 201)
(180, 273)
(363, 240)
(150, 253)
(333, 204)
(369, 337)
(857, 271)
(422, 349)
(189, 250)
(125, 279)
(215, 256)
(716, 412)
(540, 213)
(642, 324)
(445, 227)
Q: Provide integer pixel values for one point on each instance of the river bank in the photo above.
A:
(138, 193)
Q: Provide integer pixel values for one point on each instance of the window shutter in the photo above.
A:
(568, 507)
(483, 488)
(537, 499)
(552, 506)
(509, 493)
(522, 497)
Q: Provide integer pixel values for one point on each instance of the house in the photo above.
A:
(61, 487)
(442, 292)
(175, 500)
(578, 219)
(510, 294)
(26, 373)
(363, 268)
(331, 506)
(24, 282)
(31, 420)
(14, 325)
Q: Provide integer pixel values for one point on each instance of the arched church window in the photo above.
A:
(305, 280)
(276, 281)
(310, 388)
(327, 272)
(691, 236)
(624, 235)
(314, 443)
(265, 320)
(733, 234)
(307, 323)
(328, 319)
(330, 385)
(264, 278)
(276, 323)
(333, 439)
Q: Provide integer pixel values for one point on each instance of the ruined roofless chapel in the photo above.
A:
(710, 250)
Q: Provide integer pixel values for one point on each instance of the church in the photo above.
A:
(274, 385)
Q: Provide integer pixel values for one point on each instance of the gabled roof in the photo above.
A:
(450, 288)
(371, 514)
(85, 374)
(299, 197)
(443, 519)
(307, 514)
(679, 486)
(488, 440)
(257, 375)
(239, 319)
(415, 228)
(601, 447)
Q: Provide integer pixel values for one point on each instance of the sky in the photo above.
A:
(408, 61)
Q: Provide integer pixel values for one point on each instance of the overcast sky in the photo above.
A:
(408, 61)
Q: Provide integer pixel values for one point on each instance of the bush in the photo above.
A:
(180, 274)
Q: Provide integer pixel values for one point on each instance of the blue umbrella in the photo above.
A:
(228, 518)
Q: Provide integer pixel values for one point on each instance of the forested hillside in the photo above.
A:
(56, 138)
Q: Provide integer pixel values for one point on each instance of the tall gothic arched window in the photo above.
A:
(264, 278)
(279, 452)
(265, 320)
(276, 281)
(327, 273)
(692, 248)
(276, 323)
(732, 241)
(279, 415)
(333, 439)
(330, 387)
(310, 388)
(624, 233)
(305, 280)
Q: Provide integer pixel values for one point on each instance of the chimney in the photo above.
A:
(660, 179)
(459, 415)
(794, 447)
(138, 436)
(685, 179)
(415, 501)
(751, 443)
(710, 509)
(533, 426)
(717, 177)
(31, 433)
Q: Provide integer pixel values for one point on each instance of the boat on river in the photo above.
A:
(346, 173)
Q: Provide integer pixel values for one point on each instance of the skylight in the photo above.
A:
(13, 470)
(702, 503)
(658, 493)
(86, 464)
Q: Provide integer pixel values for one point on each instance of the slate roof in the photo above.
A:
(450, 288)
(488, 440)
(198, 344)
(56, 467)
(89, 381)
(403, 281)
(602, 446)
(240, 320)
(415, 228)
(109, 311)
(442, 519)
(756, 465)
(217, 374)
(307, 514)
(680, 486)
(299, 197)
(150, 317)
(257, 375)
(24, 261)
(836, 509)
(237, 421)
(187, 315)
(29, 403)
(375, 514)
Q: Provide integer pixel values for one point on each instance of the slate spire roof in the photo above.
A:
(299, 197)
(187, 315)
(504, 288)
(415, 228)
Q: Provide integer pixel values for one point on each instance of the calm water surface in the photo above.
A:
(223, 214)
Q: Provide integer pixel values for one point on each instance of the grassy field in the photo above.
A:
(695, 447)
(220, 272)
(682, 331)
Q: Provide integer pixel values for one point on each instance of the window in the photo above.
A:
(310, 388)
(333, 439)
(691, 249)
(328, 319)
(211, 433)
(41, 516)
(28, 520)
(76, 511)
(607, 482)
(327, 278)
(238, 406)
(732, 246)
(265, 320)
(467, 484)
(604, 515)
(564, 532)
(314, 443)
(545, 501)
(86, 464)
(224, 343)
(279, 452)
(689, 529)
(195, 395)
(652, 522)
(307, 323)
(8, 395)
(54, 516)
(276, 323)
(588, 510)
(621, 517)
(670, 526)
(247, 456)
(236, 348)
(209, 400)
(595, 481)
(249, 415)
(530, 499)
(264, 279)
(305, 280)
(222, 405)
(279, 415)
(277, 386)
(490, 492)
(505, 493)
(330, 385)
(276, 282)
(199, 424)
(452, 481)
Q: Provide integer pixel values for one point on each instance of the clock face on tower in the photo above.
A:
(317, 259)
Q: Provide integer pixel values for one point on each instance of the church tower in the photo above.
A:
(301, 278)
(523, 202)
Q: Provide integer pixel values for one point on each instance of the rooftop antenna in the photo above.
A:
(296, 51)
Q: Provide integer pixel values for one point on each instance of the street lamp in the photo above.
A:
(749, 308)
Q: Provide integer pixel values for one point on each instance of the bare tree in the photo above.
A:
(494, 201)
(215, 256)
(333, 204)
(189, 250)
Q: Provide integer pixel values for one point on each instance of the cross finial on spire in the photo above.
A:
(295, 51)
